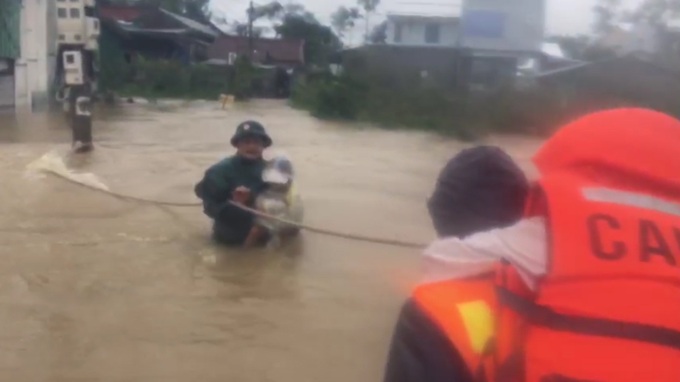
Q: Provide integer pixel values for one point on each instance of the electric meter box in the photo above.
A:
(73, 67)
(71, 23)
(92, 32)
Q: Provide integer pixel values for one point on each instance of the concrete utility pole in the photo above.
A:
(77, 31)
(251, 20)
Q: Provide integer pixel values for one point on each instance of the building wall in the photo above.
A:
(413, 31)
(10, 12)
(404, 64)
(517, 25)
(35, 67)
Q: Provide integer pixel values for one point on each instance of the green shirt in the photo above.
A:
(219, 183)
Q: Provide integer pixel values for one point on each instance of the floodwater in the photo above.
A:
(93, 288)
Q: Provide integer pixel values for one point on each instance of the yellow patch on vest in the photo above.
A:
(478, 321)
(291, 195)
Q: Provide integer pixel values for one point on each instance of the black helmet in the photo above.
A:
(251, 129)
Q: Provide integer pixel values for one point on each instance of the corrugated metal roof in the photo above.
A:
(191, 23)
(10, 16)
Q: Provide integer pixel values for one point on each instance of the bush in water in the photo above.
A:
(413, 103)
(171, 79)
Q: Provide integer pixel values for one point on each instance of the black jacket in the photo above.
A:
(479, 189)
(421, 352)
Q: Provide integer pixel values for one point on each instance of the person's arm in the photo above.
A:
(216, 192)
(421, 352)
(523, 244)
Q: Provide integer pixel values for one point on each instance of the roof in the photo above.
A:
(126, 15)
(130, 28)
(265, 49)
(630, 75)
(552, 49)
(122, 12)
(189, 23)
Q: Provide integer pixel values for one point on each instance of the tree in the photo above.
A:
(344, 19)
(379, 34)
(656, 12)
(198, 10)
(271, 11)
(369, 6)
(607, 13)
(320, 40)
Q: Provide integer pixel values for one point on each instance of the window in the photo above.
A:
(397, 32)
(75, 13)
(62, 13)
(432, 33)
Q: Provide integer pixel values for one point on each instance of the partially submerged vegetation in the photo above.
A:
(171, 79)
(419, 105)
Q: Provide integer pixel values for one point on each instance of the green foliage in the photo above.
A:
(381, 101)
(607, 14)
(169, 79)
(320, 41)
(379, 34)
(329, 97)
(242, 78)
(414, 104)
(344, 19)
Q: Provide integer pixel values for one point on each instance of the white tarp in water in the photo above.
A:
(503, 25)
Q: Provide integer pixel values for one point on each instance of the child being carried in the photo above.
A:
(281, 200)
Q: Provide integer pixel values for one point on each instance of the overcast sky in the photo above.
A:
(564, 16)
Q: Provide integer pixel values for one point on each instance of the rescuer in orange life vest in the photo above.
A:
(584, 288)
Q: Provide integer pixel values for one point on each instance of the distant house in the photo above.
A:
(626, 80)
(154, 33)
(416, 30)
(659, 43)
(284, 53)
(478, 45)
(550, 58)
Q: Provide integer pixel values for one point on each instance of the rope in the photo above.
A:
(321, 231)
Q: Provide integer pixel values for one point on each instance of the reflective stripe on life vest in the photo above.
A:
(609, 301)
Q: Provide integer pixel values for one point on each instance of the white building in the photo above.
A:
(27, 59)
(480, 25)
(417, 30)
(34, 69)
(516, 26)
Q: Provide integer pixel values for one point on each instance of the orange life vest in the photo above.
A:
(467, 311)
(609, 307)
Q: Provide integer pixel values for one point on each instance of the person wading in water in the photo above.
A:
(237, 178)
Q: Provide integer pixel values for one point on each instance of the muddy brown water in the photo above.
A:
(97, 289)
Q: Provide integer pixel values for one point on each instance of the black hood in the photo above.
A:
(481, 188)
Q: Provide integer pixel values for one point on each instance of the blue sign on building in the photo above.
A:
(484, 24)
